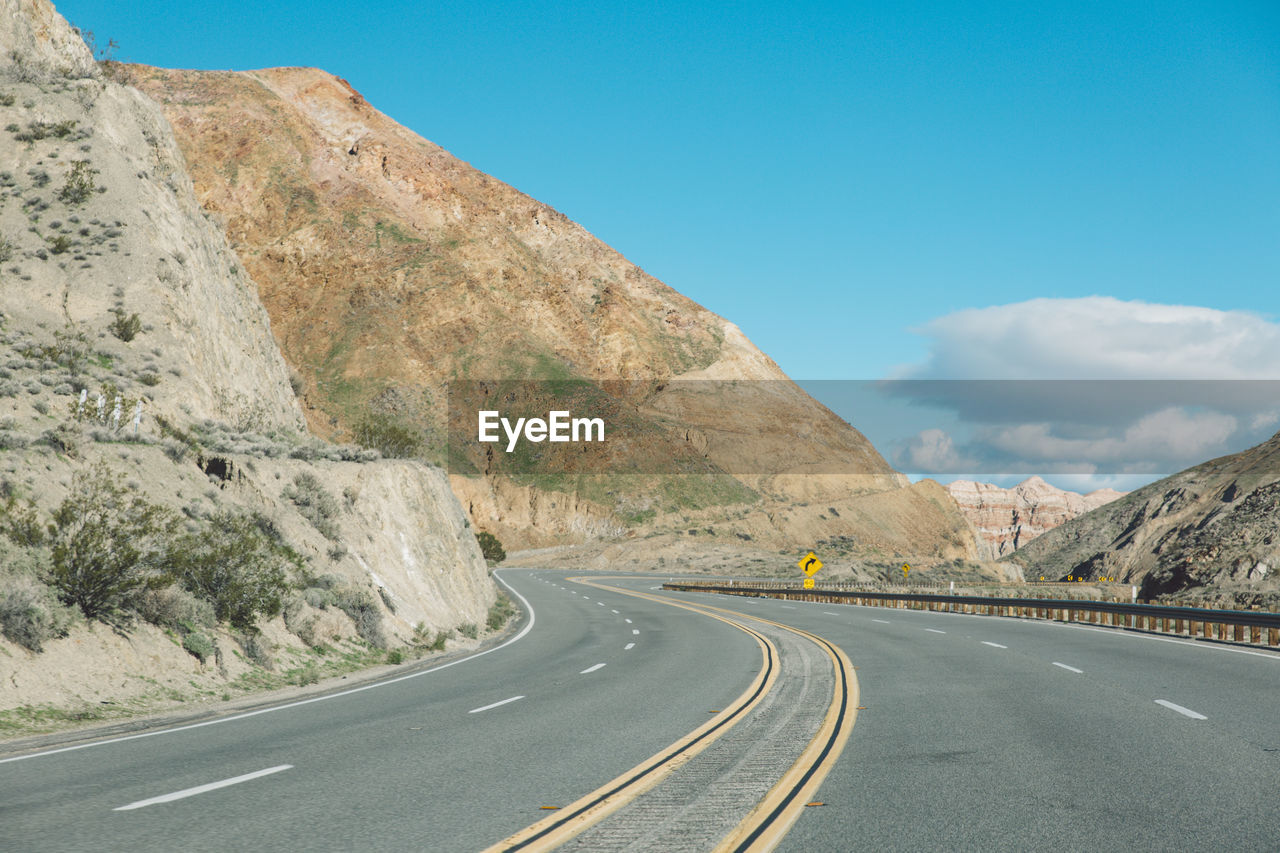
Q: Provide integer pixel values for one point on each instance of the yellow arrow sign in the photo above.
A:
(809, 564)
(905, 569)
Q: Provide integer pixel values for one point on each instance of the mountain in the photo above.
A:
(138, 369)
(391, 268)
(1007, 519)
(1212, 530)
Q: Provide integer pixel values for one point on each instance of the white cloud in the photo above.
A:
(1171, 434)
(1099, 337)
(932, 451)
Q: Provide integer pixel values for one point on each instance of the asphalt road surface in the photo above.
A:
(978, 733)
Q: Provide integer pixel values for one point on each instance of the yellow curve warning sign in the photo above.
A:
(809, 564)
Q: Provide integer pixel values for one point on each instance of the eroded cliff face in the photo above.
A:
(120, 297)
(390, 267)
(1007, 519)
(1211, 532)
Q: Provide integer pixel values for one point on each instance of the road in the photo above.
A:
(977, 733)
(405, 766)
(983, 733)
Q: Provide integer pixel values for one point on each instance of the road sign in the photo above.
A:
(808, 583)
(905, 569)
(809, 564)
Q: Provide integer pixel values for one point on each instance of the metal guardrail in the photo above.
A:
(1242, 626)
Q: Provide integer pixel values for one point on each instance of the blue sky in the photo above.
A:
(866, 189)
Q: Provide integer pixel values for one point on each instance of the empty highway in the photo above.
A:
(963, 732)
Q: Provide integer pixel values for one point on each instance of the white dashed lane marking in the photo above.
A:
(495, 705)
(1186, 712)
(200, 789)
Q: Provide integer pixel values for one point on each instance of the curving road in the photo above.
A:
(607, 680)
(977, 733)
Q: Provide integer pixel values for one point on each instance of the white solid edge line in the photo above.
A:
(520, 636)
(628, 647)
(495, 705)
(1186, 712)
(201, 789)
(1067, 668)
(592, 669)
(935, 631)
(994, 645)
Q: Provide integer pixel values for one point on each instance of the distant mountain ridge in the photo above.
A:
(1007, 519)
(1213, 529)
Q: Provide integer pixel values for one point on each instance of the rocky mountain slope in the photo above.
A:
(1007, 519)
(137, 364)
(1212, 530)
(390, 267)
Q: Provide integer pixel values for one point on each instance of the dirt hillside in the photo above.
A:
(390, 267)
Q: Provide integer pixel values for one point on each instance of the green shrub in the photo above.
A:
(6, 250)
(314, 503)
(234, 566)
(59, 244)
(391, 437)
(29, 613)
(395, 657)
(107, 543)
(490, 547)
(199, 645)
(78, 187)
(499, 612)
(21, 524)
(469, 630)
(125, 327)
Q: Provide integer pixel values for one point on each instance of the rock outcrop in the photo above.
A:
(132, 338)
(1210, 531)
(1007, 519)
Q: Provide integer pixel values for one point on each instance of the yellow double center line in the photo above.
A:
(770, 819)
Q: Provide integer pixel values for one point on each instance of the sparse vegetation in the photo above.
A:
(106, 543)
(199, 645)
(491, 548)
(392, 437)
(124, 326)
(315, 503)
(29, 615)
(499, 612)
(358, 604)
(79, 185)
(235, 567)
